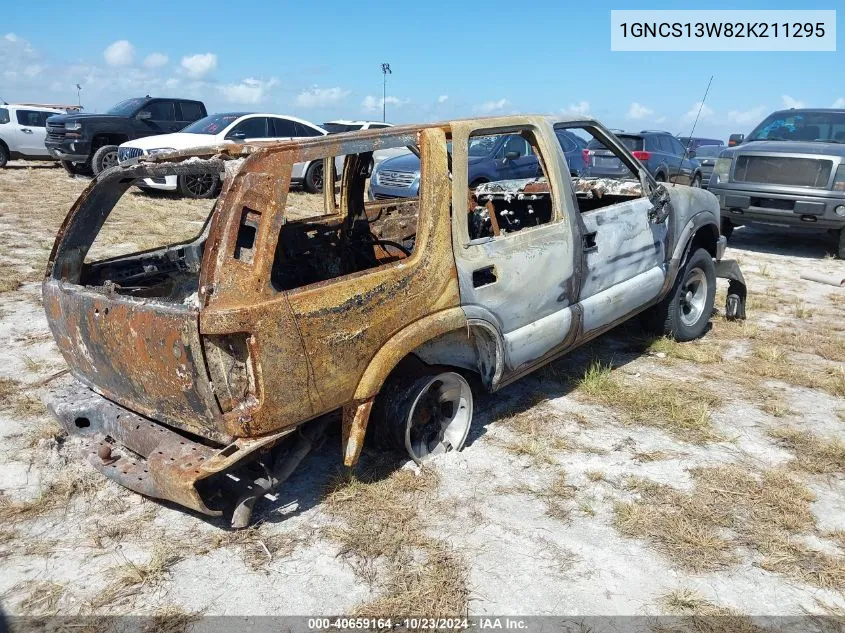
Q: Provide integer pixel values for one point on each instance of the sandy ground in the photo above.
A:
(703, 478)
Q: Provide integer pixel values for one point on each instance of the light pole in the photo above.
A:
(385, 70)
(78, 95)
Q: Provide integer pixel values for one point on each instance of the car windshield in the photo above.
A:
(827, 127)
(482, 145)
(709, 150)
(126, 107)
(213, 124)
(337, 128)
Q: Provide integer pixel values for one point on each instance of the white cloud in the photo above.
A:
(155, 60)
(442, 98)
(789, 102)
(492, 106)
(119, 53)
(638, 111)
(10, 37)
(199, 65)
(33, 71)
(582, 108)
(839, 103)
(247, 90)
(754, 115)
(316, 97)
(660, 119)
(374, 104)
(706, 112)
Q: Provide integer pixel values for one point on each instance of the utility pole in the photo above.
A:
(78, 96)
(385, 70)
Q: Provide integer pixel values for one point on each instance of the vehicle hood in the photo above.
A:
(178, 140)
(410, 162)
(82, 117)
(787, 147)
(406, 162)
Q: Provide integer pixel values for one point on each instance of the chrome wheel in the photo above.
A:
(693, 297)
(109, 160)
(200, 185)
(439, 416)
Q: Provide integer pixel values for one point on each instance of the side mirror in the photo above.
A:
(511, 155)
(691, 153)
(145, 115)
(735, 139)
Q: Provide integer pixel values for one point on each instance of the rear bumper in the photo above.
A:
(743, 205)
(148, 457)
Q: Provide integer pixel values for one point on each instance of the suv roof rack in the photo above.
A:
(655, 132)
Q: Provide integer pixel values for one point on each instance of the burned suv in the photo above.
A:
(790, 171)
(206, 370)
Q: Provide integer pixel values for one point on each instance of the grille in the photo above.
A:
(396, 178)
(128, 153)
(55, 131)
(778, 170)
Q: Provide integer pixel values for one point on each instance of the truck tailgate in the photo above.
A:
(143, 354)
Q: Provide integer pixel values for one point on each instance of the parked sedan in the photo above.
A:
(500, 157)
(228, 127)
(706, 156)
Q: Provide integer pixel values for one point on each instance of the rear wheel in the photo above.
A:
(104, 158)
(314, 177)
(727, 228)
(426, 414)
(696, 182)
(840, 251)
(660, 177)
(198, 185)
(685, 312)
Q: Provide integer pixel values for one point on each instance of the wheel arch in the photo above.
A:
(107, 138)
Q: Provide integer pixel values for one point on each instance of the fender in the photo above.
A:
(356, 413)
(682, 247)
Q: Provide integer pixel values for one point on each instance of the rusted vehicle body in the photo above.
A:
(206, 370)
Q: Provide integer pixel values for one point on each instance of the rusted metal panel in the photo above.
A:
(142, 354)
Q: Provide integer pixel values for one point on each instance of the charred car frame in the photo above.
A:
(206, 370)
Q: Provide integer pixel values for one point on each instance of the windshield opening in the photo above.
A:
(214, 123)
(337, 128)
(126, 107)
(822, 127)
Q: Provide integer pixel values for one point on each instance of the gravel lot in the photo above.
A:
(635, 477)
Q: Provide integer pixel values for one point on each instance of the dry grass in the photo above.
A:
(129, 579)
(730, 507)
(41, 598)
(702, 351)
(257, 545)
(813, 454)
(171, 619)
(380, 531)
(680, 408)
(771, 362)
(71, 483)
(699, 615)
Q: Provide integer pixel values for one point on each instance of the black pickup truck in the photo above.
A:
(87, 143)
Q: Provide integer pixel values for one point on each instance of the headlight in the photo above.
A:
(839, 181)
(73, 125)
(721, 169)
(158, 150)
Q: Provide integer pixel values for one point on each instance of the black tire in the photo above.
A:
(685, 312)
(104, 158)
(696, 181)
(313, 182)
(4, 155)
(726, 228)
(477, 181)
(660, 177)
(411, 410)
(198, 186)
(840, 251)
(76, 169)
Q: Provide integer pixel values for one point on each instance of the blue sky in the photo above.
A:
(450, 59)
